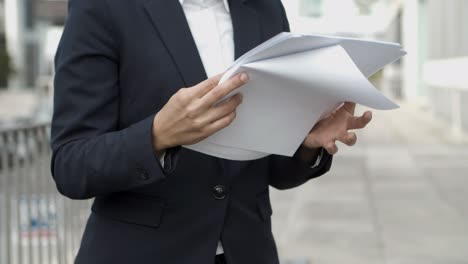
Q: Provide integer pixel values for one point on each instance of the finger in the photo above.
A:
(360, 122)
(350, 107)
(219, 124)
(348, 138)
(207, 85)
(220, 91)
(331, 148)
(222, 109)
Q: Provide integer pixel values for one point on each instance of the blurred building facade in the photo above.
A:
(433, 32)
(444, 72)
(29, 35)
(27, 25)
(435, 35)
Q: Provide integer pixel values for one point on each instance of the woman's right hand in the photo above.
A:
(191, 115)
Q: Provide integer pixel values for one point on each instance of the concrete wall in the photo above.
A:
(447, 28)
(445, 69)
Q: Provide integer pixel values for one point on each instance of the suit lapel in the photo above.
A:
(169, 19)
(246, 25)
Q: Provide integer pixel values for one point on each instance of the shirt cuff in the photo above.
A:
(319, 158)
(161, 158)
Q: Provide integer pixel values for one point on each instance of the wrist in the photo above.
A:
(159, 143)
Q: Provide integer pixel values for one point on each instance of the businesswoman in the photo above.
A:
(131, 88)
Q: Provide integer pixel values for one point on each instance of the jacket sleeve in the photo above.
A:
(290, 172)
(286, 27)
(91, 155)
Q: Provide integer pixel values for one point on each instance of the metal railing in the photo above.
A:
(37, 224)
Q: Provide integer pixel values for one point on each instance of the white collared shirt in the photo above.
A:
(211, 26)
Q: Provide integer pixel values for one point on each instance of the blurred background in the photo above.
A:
(398, 197)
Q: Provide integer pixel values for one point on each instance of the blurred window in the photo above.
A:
(29, 15)
(311, 8)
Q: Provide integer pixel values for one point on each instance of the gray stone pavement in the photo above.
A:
(399, 197)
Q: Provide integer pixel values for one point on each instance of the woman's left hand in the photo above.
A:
(336, 127)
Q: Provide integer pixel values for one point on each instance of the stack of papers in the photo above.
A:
(295, 80)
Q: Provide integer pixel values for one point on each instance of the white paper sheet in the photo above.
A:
(294, 81)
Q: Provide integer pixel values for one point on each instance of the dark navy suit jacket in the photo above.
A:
(118, 63)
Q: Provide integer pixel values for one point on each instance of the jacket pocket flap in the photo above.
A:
(131, 208)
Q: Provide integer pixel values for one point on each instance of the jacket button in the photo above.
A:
(219, 192)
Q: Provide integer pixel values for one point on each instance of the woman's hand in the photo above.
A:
(191, 115)
(335, 127)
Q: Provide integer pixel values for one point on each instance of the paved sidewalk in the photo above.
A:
(399, 197)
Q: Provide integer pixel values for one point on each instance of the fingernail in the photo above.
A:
(244, 77)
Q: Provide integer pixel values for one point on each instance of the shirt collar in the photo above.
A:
(226, 4)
